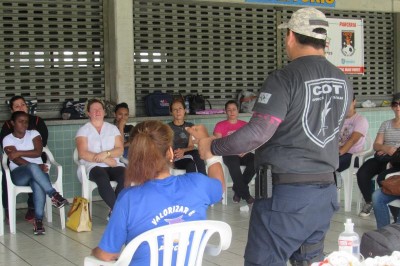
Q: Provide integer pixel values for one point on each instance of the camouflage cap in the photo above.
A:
(305, 20)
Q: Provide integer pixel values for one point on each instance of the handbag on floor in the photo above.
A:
(79, 219)
(381, 242)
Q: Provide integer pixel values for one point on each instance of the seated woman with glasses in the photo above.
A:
(386, 143)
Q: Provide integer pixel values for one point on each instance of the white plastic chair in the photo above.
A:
(348, 174)
(87, 185)
(230, 184)
(14, 190)
(2, 209)
(180, 232)
(174, 171)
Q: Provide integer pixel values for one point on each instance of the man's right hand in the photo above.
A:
(200, 133)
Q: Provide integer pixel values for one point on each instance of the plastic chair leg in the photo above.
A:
(1, 219)
(12, 211)
(348, 190)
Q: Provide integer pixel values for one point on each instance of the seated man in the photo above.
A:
(233, 162)
(352, 136)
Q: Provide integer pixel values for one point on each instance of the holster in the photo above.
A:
(264, 182)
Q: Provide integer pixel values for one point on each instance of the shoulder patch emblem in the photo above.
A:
(264, 97)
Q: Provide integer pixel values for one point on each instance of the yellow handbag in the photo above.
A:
(79, 219)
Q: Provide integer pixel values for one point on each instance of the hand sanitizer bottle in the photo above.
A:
(349, 241)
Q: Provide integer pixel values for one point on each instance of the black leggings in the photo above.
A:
(367, 171)
(102, 177)
(240, 181)
(191, 166)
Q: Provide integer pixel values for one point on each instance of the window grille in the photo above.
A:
(51, 50)
(219, 49)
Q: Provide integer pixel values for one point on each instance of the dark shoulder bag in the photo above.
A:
(395, 158)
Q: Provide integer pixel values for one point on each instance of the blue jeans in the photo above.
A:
(31, 175)
(380, 202)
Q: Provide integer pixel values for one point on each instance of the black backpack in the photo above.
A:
(381, 242)
(73, 109)
(197, 103)
(157, 103)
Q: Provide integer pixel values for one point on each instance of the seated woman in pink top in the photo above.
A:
(233, 162)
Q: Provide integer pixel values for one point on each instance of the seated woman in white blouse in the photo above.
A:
(100, 145)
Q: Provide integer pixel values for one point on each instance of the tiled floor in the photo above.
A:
(65, 247)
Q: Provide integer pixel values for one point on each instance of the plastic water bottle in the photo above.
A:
(187, 105)
(349, 241)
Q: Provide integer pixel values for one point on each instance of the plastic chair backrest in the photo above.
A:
(200, 231)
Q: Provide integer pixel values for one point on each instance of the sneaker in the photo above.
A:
(366, 210)
(30, 215)
(236, 198)
(250, 200)
(38, 228)
(58, 201)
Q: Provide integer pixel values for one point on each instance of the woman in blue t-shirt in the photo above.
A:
(157, 198)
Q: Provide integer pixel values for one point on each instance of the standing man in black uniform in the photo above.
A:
(295, 130)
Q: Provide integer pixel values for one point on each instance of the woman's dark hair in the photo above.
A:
(121, 105)
(14, 98)
(176, 100)
(92, 101)
(149, 144)
(231, 102)
(17, 114)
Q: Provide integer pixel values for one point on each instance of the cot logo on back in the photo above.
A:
(325, 108)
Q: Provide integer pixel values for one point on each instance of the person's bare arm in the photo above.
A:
(82, 147)
(380, 148)
(16, 155)
(105, 256)
(214, 170)
(217, 135)
(354, 138)
(109, 160)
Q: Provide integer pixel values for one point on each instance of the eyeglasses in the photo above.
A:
(395, 104)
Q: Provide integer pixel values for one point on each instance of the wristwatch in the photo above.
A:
(108, 154)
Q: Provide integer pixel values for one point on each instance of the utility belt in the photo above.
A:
(265, 180)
